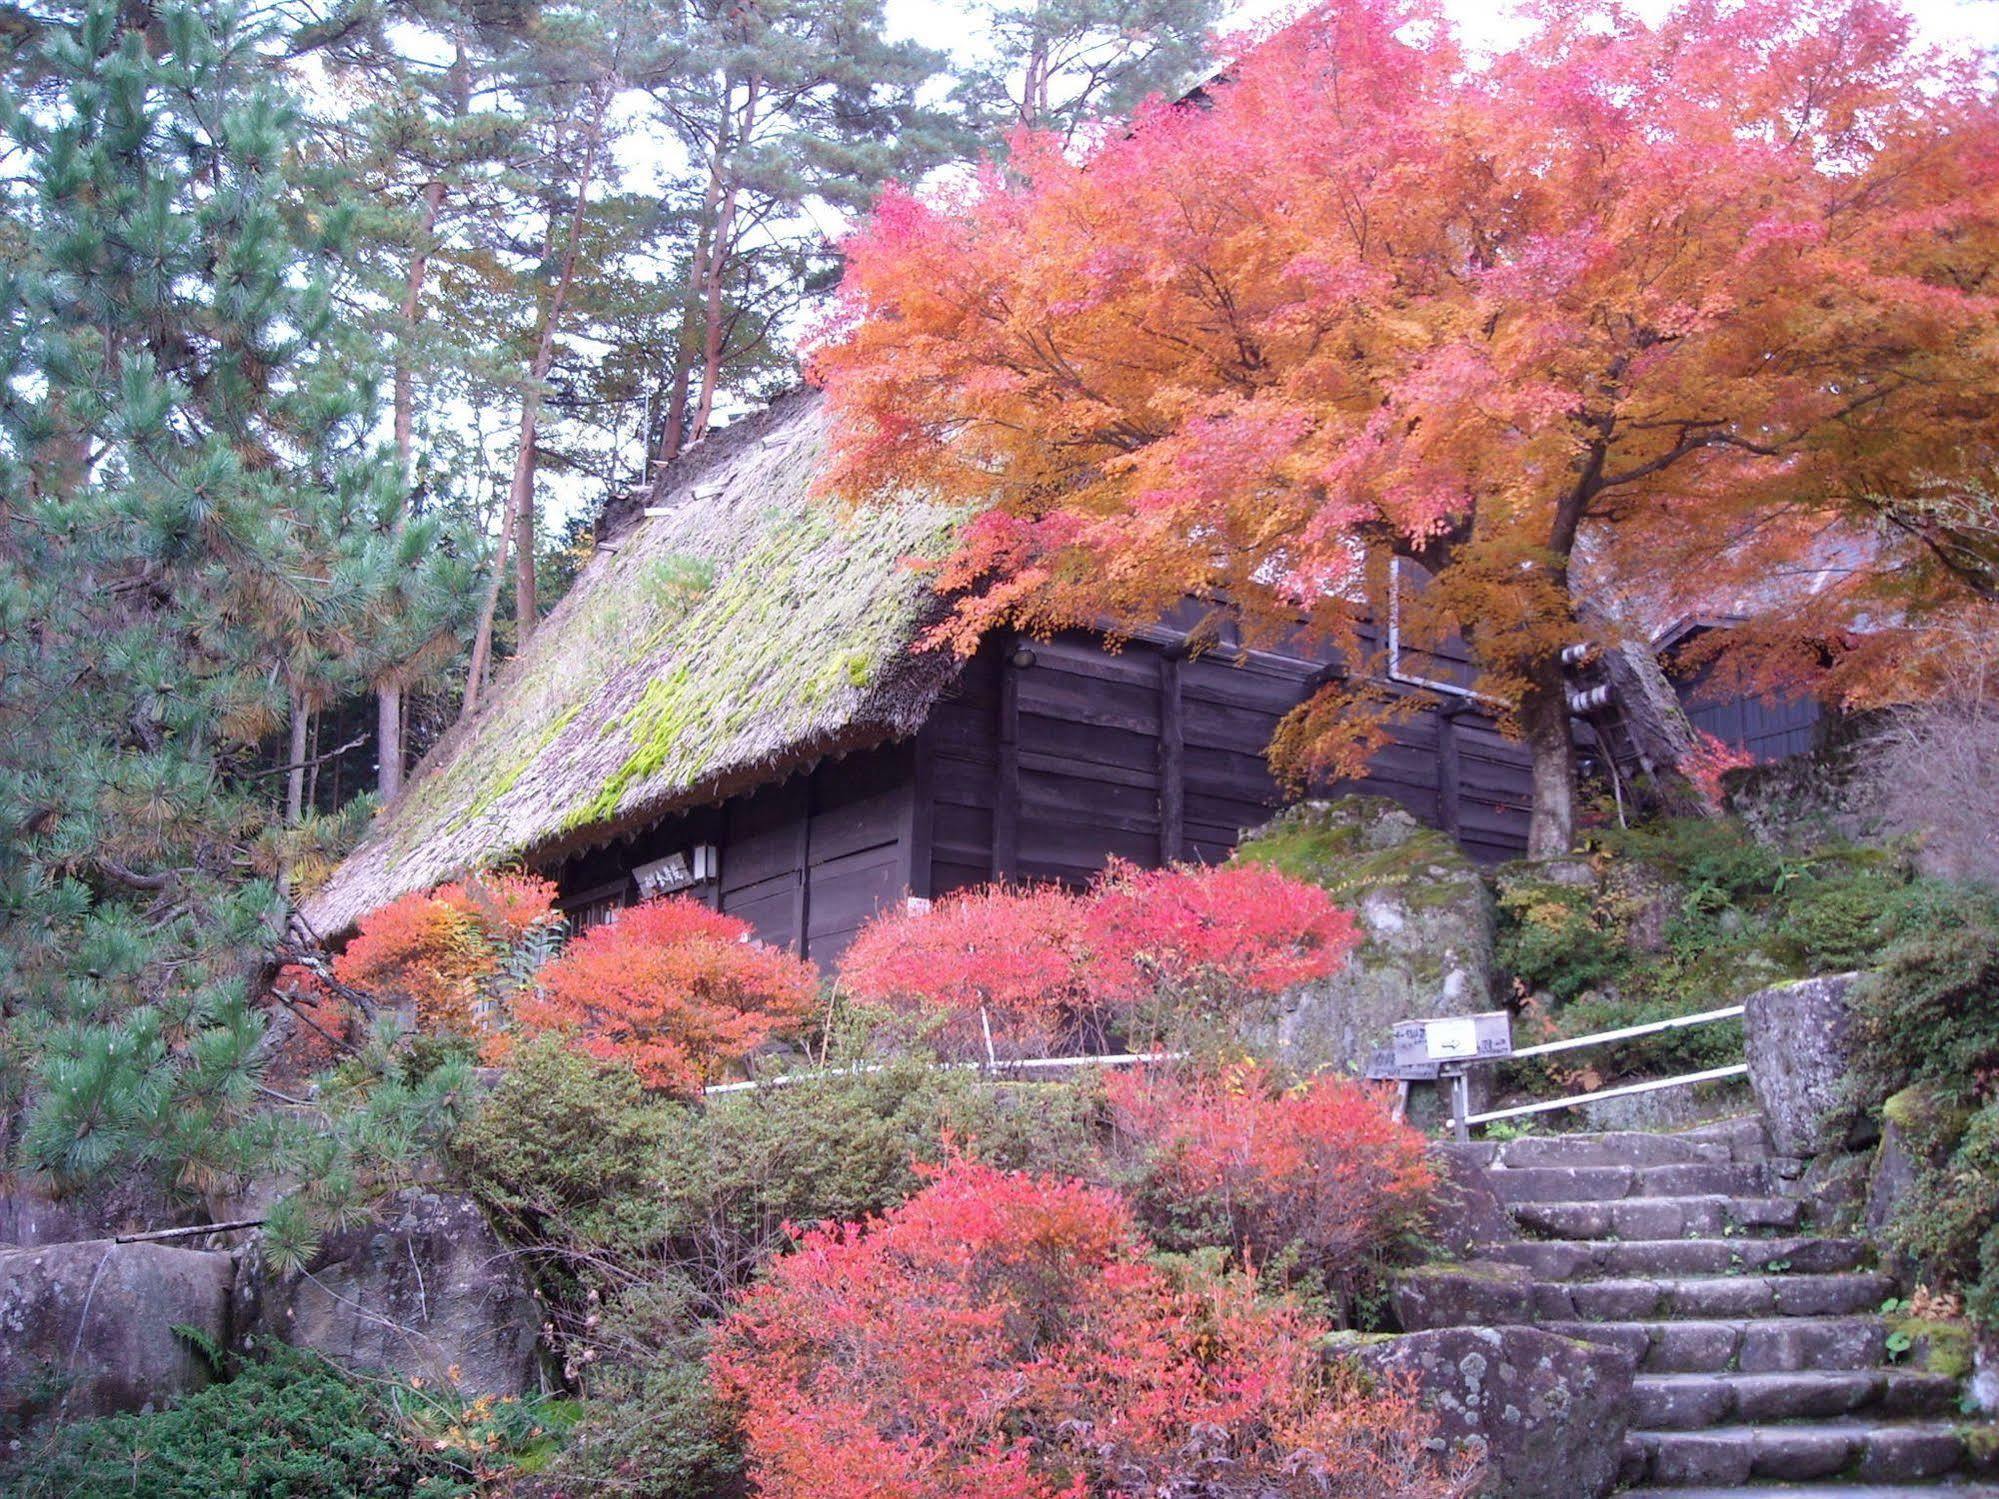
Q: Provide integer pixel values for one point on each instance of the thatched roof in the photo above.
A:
(748, 631)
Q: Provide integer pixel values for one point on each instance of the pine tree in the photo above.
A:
(785, 111)
(1061, 65)
(195, 525)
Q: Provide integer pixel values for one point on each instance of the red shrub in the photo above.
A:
(1022, 956)
(1047, 966)
(674, 989)
(1319, 1174)
(1211, 933)
(1007, 1337)
(446, 950)
(1711, 759)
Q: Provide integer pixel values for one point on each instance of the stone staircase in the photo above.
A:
(1761, 1353)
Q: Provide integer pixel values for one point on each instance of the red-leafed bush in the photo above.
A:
(1318, 1179)
(1709, 760)
(1207, 934)
(1004, 1336)
(1023, 958)
(1045, 967)
(450, 952)
(674, 989)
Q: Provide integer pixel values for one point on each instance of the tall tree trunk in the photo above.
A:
(1544, 723)
(720, 250)
(482, 634)
(391, 747)
(389, 699)
(675, 426)
(520, 494)
(295, 763)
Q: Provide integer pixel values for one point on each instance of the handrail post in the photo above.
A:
(1460, 1105)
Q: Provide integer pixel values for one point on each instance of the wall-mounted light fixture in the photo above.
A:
(1023, 655)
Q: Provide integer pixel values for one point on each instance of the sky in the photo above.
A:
(948, 24)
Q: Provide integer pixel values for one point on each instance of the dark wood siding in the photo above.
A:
(1770, 728)
(1057, 756)
(1045, 760)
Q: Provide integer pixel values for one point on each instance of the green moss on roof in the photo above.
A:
(747, 627)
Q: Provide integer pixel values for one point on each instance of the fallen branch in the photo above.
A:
(153, 1235)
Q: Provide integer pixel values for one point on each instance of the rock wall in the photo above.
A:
(1425, 918)
(425, 1290)
(87, 1328)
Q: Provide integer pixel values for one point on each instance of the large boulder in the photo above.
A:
(1425, 920)
(1546, 1413)
(1800, 1049)
(426, 1290)
(87, 1328)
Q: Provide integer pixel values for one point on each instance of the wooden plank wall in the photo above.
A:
(818, 853)
(1770, 728)
(1048, 769)
(1045, 771)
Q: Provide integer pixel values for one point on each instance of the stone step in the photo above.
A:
(1657, 1217)
(1624, 1148)
(1711, 1297)
(1525, 1184)
(1746, 1136)
(1583, 1259)
(1866, 1451)
(1777, 1345)
(1691, 1402)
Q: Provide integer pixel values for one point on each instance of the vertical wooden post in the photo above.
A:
(801, 895)
(920, 819)
(1448, 783)
(1172, 761)
(1006, 770)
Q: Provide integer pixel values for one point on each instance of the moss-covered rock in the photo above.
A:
(1425, 918)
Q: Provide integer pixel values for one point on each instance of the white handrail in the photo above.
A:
(1112, 1059)
(1713, 1074)
(1649, 1028)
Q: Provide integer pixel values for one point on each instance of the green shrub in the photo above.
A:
(570, 1150)
(652, 1427)
(1928, 1020)
(846, 1146)
(288, 1424)
(1702, 854)
(1930, 1015)
(1557, 939)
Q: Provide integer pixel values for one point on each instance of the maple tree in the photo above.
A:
(451, 951)
(1008, 1336)
(1318, 1176)
(1042, 966)
(1684, 300)
(674, 989)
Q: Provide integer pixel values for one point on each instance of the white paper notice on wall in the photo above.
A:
(1448, 1040)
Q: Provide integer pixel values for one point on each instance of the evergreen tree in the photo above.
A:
(786, 112)
(1061, 65)
(196, 527)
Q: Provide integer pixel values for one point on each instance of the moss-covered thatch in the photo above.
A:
(748, 631)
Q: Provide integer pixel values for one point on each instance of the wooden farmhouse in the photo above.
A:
(731, 702)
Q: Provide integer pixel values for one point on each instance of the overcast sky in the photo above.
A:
(948, 24)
